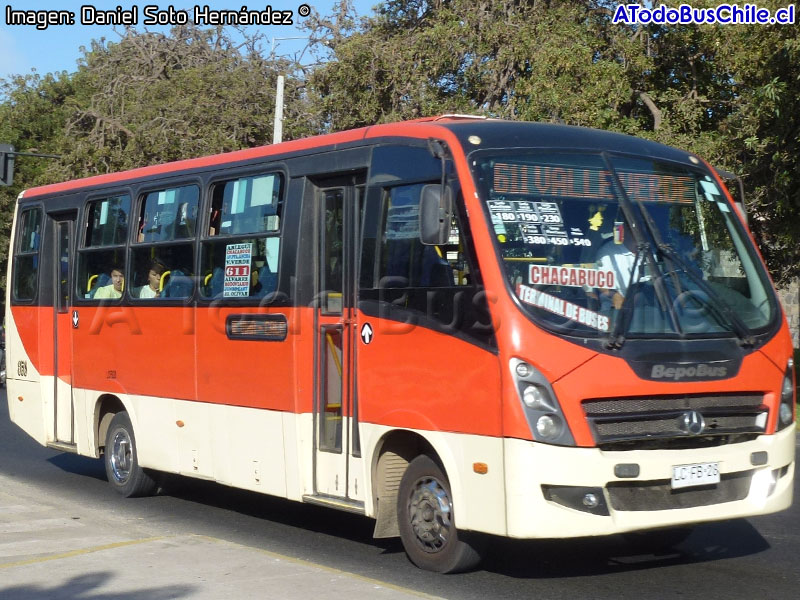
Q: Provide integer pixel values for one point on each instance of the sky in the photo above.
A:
(57, 48)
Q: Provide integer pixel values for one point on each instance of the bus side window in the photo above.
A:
(26, 268)
(439, 286)
(404, 260)
(103, 250)
(240, 256)
(163, 253)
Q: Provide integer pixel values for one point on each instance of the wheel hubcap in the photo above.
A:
(430, 512)
(121, 456)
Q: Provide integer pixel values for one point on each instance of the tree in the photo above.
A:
(32, 117)
(151, 98)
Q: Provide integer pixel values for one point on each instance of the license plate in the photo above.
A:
(695, 474)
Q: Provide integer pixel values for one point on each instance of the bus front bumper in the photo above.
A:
(559, 492)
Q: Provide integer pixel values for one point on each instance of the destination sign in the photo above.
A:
(592, 184)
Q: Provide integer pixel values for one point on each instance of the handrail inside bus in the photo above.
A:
(164, 276)
(334, 353)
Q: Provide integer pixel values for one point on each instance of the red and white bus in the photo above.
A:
(454, 326)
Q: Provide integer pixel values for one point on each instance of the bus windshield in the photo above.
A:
(593, 244)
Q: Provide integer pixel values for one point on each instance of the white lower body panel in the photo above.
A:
(530, 466)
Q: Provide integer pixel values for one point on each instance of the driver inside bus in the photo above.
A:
(617, 255)
(114, 289)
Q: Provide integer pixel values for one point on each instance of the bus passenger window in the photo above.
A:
(169, 214)
(26, 269)
(241, 268)
(240, 256)
(107, 221)
(103, 250)
(246, 205)
(163, 255)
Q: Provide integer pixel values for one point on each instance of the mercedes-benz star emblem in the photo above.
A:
(692, 422)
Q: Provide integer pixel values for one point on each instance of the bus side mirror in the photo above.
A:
(435, 214)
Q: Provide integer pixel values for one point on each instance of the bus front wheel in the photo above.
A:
(426, 521)
(121, 458)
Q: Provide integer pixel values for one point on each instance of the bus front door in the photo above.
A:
(63, 417)
(336, 457)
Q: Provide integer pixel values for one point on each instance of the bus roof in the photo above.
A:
(473, 132)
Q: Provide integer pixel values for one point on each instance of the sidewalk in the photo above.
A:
(54, 549)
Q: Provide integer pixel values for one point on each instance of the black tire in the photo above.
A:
(427, 523)
(657, 540)
(121, 458)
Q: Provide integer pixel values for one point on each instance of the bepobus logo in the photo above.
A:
(699, 371)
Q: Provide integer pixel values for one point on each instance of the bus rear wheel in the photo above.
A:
(426, 521)
(121, 458)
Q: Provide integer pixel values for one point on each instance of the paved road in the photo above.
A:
(744, 559)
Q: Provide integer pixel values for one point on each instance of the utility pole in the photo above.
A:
(277, 129)
(7, 156)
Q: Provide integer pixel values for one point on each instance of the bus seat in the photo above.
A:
(214, 285)
(178, 286)
(268, 281)
(436, 271)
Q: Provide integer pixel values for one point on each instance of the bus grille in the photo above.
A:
(662, 420)
(657, 495)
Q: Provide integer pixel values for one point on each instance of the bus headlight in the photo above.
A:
(535, 397)
(786, 408)
(542, 410)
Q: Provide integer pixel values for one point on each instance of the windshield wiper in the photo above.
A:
(717, 303)
(617, 336)
(643, 248)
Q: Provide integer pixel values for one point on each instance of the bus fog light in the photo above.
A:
(548, 426)
(590, 501)
(763, 483)
(785, 414)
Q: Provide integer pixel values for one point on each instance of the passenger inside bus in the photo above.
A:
(114, 289)
(154, 275)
